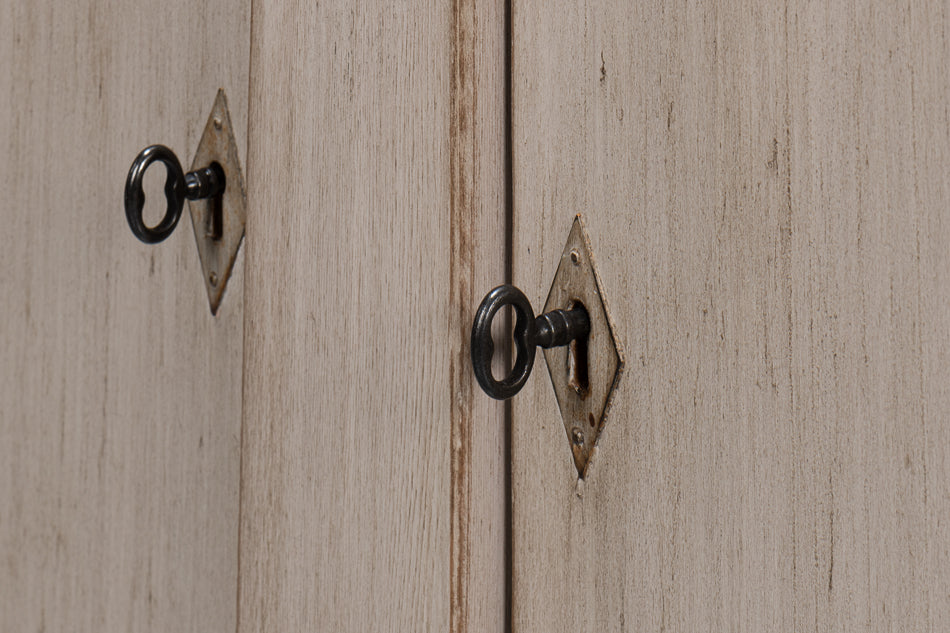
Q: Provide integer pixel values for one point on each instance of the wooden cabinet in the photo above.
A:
(765, 190)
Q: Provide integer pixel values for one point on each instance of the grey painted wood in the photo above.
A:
(120, 394)
(765, 187)
(373, 491)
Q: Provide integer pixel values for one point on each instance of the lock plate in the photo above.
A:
(219, 240)
(583, 379)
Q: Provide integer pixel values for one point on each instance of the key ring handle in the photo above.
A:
(135, 195)
(483, 347)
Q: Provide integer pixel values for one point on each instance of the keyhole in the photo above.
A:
(216, 206)
(577, 366)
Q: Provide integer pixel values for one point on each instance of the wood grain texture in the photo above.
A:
(478, 233)
(120, 394)
(766, 190)
(372, 484)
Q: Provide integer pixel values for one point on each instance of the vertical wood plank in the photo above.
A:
(120, 394)
(765, 188)
(478, 227)
(372, 483)
(869, 163)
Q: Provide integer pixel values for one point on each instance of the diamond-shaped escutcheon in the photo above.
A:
(584, 373)
(219, 235)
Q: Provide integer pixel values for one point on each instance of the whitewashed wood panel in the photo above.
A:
(373, 479)
(766, 191)
(120, 394)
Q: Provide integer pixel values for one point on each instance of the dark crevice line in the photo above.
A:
(509, 278)
(249, 113)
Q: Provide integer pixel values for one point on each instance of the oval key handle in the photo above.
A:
(135, 195)
(553, 329)
(483, 347)
(201, 183)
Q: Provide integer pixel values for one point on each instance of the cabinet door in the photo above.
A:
(765, 188)
(373, 481)
(120, 393)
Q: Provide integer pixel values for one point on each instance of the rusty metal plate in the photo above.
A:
(583, 387)
(218, 246)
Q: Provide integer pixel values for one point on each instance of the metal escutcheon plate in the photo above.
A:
(583, 400)
(218, 252)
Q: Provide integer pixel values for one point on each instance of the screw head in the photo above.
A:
(575, 257)
(577, 436)
(213, 278)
